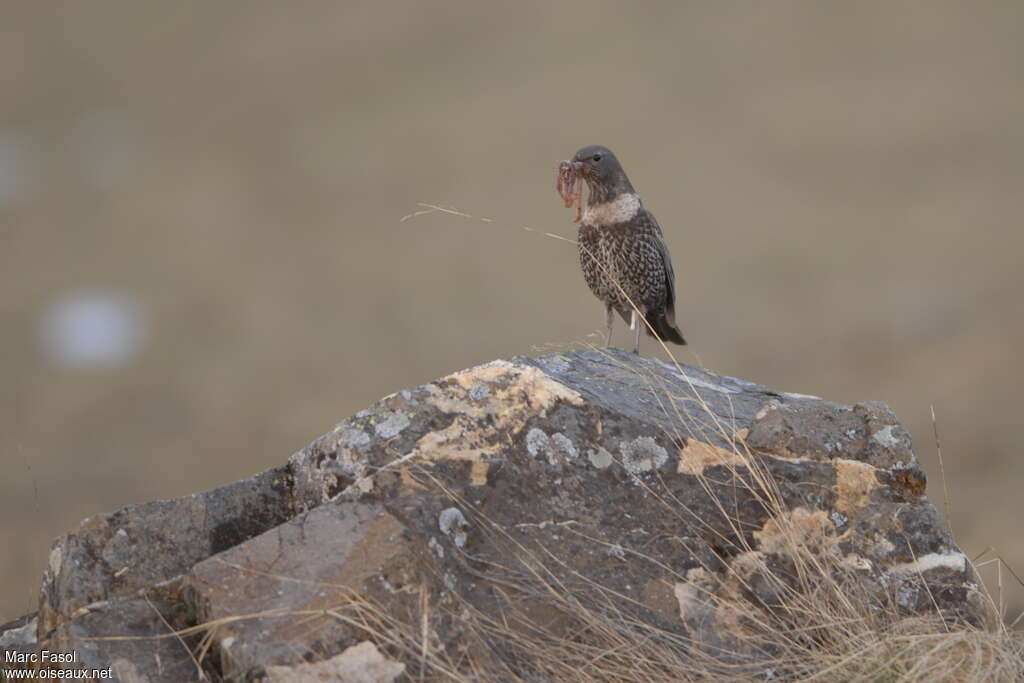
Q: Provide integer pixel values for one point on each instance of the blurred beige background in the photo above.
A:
(202, 266)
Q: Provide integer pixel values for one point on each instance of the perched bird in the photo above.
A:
(623, 254)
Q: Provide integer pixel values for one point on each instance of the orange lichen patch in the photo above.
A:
(747, 563)
(511, 395)
(909, 484)
(478, 473)
(854, 483)
(695, 595)
(695, 456)
(514, 390)
(711, 606)
(455, 442)
(741, 569)
(799, 528)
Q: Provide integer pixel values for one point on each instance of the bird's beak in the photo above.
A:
(580, 167)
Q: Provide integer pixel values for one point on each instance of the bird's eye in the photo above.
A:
(597, 157)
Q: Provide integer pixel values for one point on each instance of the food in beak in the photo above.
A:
(570, 186)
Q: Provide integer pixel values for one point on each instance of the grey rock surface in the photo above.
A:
(276, 573)
(18, 636)
(133, 637)
(117, 554)
(670, 497)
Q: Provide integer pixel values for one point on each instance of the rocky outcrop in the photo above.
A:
(452, 527)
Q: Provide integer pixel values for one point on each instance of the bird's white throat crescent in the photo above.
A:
(618, 210)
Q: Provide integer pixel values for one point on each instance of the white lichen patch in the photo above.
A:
(453, 524)
(797, 529)
(561, 449)
(56, 558)
(885, 437)
(390, 424)
(537, 442)
(855, 481)
(955, 561)
(479, 391)
(351, 437)
(907, 596)
(558, 449)
(436, 547)
(599, 458)
(642, 454)
(697, 455)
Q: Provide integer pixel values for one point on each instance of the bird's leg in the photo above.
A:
(635, 322)
(609, 319)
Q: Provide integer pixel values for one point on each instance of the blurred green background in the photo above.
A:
(203, 267)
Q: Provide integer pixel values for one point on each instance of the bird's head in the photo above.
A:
(602, 172)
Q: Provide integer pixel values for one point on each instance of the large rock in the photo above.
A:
(459, 524)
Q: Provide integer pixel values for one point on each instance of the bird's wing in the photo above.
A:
(670, 276)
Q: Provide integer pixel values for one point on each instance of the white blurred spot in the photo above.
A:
(92, 329)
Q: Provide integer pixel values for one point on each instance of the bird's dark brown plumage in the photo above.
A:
(622, 251)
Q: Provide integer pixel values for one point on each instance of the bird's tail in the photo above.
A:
(666, 329)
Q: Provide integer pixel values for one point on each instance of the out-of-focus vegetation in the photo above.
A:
(840, 185)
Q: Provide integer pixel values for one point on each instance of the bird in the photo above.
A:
(622, 251)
